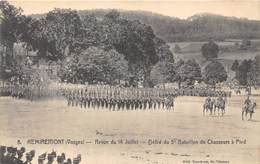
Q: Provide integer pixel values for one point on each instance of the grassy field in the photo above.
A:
(52, 119)
(192, 50)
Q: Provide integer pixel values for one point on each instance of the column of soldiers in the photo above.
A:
(202, 92)
(12, 155)
(118, 98)
(24, 91)
(102, 96)
(114, 98)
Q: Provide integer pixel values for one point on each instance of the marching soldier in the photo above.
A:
(42, 158)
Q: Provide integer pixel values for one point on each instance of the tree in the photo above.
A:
(252, 75)
(189, 72)
(177, 67)
(177, 48)
(132, 39)
(246, 43)
(210, 50)
(10, 21)
(242, 72)
(164, 70)
(248, 72)
(214, 73)
(95, 65)
(235, 66)
(57, 34)
(257, 68)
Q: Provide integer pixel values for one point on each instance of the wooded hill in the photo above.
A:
(199, 27)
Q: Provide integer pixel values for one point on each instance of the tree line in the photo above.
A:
(199, 27)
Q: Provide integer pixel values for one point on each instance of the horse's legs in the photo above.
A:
(243, 115)
(251, 113)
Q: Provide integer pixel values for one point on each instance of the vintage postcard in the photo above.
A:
(130, 82)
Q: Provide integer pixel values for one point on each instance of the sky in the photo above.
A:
(177, 8)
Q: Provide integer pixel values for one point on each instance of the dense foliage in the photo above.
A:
(214, 73)
(127, 49)
(248, 72)
(210, 50)
(95, 65)
(188, 72)
(112, 47)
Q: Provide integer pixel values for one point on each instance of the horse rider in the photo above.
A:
(247, 101)
(220, 98)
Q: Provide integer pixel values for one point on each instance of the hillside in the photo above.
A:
(199, 27)
(196, 28)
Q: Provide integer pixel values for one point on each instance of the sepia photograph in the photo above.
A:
(129, 82)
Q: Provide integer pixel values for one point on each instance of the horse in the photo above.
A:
(250, 108)
(208, 105)
(220, 105)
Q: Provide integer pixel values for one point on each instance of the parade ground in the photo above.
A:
(150, 136)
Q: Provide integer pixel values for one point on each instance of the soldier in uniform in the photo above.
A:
(140, 103)
(69, 98)
(114, 101)
(150, 103)
(77, 160)
(68, 161)
(89, 101)
(93, 99)
(85, 99)
(81, 99)
(103, 102)
(132, 103)
(51, 157)
(60, 160)
(162, 102)
(106, 102)
(208, 99)
(119, 103)
(8, 159)
(123, 103)
(29, 157)
(158, 101)
(144, 103)
(73, 97)
(42, 158)
(20, 155)
(247, 101)
(2, 153)
(136, 103)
